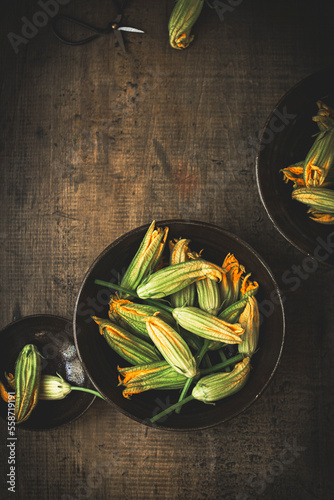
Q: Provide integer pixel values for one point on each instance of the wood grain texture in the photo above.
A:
(95, 142)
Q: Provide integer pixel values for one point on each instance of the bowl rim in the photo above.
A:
(194, 223)
(272, 218)
(47, 317)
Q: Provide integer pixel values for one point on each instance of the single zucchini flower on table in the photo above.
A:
(182, 19)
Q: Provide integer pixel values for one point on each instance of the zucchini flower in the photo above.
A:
(231, 282)
(250, 321)
(248, 288)
(172, 346)
(53, 387)
(27, 382)
(319, 200)
(321, 217)
(171, 279)
(133, 349)
(220, 385)
(319, 162)
(207, 326)
(134, 315)
(182, 19)
(147, 257)
(159, 375)
(324, 117)
(208, 294)
(294, 173)
(179, 253)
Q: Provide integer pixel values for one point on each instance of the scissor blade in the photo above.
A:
(133, 30)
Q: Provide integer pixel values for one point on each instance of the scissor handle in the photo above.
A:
(98, 31)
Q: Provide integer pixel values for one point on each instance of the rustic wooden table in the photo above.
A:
(96, 142)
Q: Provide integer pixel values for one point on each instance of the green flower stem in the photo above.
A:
(171, 408)
(134, 294)
(207, 361)
(220, 366)
(199, 358)
(91, 391)
(223, 358)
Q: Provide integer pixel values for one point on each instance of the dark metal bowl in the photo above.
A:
(287, 137)
(53, 336)
(101, 362)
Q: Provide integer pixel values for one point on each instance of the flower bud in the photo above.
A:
(130, 347)
(171, 279)
(317, 198)
(134, 315)
(207, 326)
(147, 257)
(182, 19)
(53, 387)
(179, 250)
(319, 161)
(27, 382)
(220, 385)
(231, 282)
(172, 346)
(159, 375)
(250, 321)
(208, 294)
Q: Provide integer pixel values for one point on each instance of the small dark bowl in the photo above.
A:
(287, 137)
(101, 362)
(53, 336)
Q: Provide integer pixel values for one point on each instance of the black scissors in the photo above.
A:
(113, 27)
